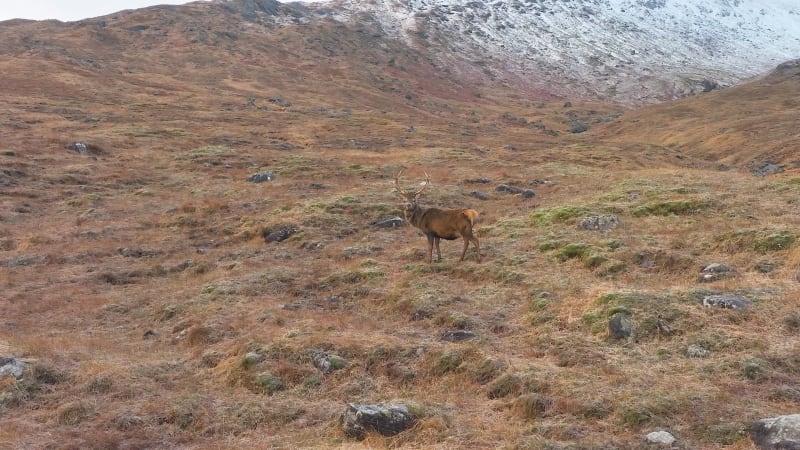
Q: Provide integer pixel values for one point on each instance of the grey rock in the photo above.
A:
(716, 271)
(279, 234)
(661, 438)
(386, 419)
(261, 177)
(619, 326)
(602, 223)
(696, 351)
(525, 193)
(727, 301)
(458, 335)
(767, 169)
(11, 367)
(327, 362)
(394, 222)
(479, 195)
(782, 432)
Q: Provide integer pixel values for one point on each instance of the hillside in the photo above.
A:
(158, 298)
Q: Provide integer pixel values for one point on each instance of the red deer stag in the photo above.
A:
(439, 224)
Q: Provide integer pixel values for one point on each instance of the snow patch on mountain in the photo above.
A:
(632, 50)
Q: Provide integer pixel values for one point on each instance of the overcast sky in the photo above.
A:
(70, 10)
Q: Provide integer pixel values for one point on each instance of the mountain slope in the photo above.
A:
(743, 126)
(629, 50)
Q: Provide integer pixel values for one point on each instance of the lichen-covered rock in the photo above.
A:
(660, 438)
(261, 177)
(11, 367)
(386, 419)
(782, 432)
(601, 223)
(715, 272)
(727, 301)
(619, 326)
(327, 362)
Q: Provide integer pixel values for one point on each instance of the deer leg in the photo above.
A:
(430, 248)
(464, 252)
(477, 248)
(438, 252)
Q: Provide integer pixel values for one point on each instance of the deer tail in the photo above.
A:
(472, 215)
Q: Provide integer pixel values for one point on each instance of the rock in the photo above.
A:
(767, 169)
(479, 195)
(261, 177)
(458, 335)
(327, 362)
(660, 437)
(279, 233)
(78, 147)
(696, 351)
(525, 193)
(727, 301)
(602, 223)
(619, 326)
(782, 432)
(386, 419)
(715, 272)
(394, 222)
(11, 367)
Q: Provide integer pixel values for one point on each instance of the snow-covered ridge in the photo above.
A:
(632, 50)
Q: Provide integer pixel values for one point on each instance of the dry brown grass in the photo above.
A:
(137, 281)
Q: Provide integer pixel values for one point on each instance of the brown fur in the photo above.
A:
(437, 224)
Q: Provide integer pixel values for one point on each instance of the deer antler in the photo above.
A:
(411, 195)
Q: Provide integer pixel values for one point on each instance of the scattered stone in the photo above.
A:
(696, 351)
(327, 362)
(458, 335)
(479, 180)
(727, 301)
(84, 148)
(479, 195)
(11, 367)
(261, 177)
(767, 169)
(78, 147)
(525, 193)
(386, 419)
(602, 223)
(660, 438)
(251, 359)
(619, 326)
(279, 233)
(781, 432)
(394, 222)
(148, 334)
(715, 272)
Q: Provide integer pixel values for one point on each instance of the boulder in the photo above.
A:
(727, 301)
(261, 177)
(328, 362)
(664, 438)
(386, 419)
(782, 432)
(11, 367)
(393, 222)
(279, 233)
(715, 272)
(458, 335)
(602, 223)
(619, 326)
(525, 193)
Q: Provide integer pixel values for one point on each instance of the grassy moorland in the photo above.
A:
(139, 289)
